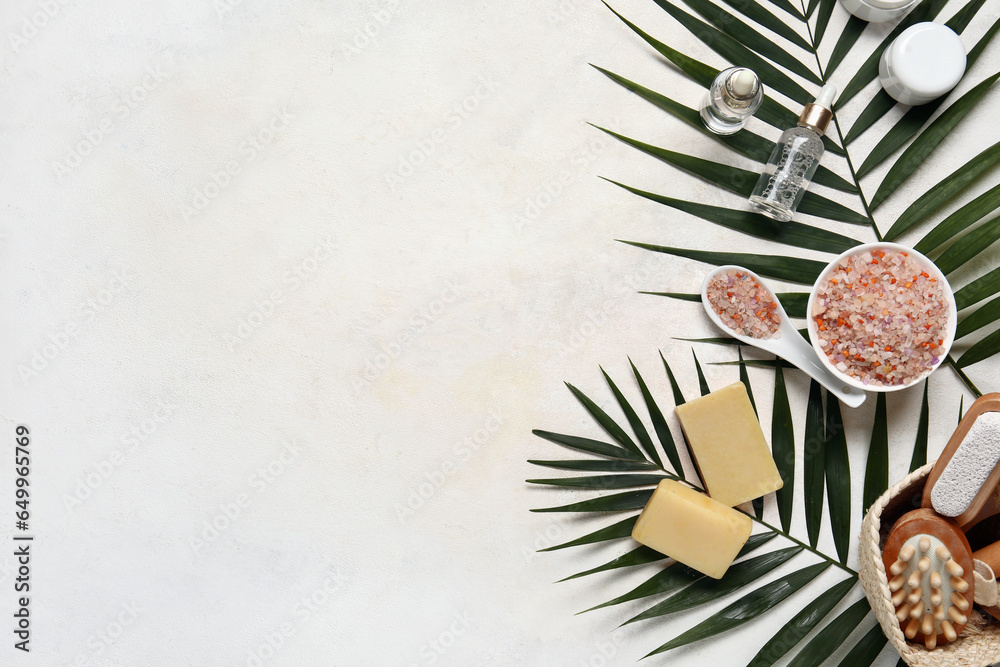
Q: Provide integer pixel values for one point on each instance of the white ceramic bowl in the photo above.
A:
(931, 269)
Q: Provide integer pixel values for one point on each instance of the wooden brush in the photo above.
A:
(929, 566)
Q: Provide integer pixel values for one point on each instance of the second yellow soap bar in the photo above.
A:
(728, 446)
(692, 528)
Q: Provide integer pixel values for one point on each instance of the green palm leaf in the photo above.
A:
(606, 422)
(677, 575)
(659, 425)
(978, 289)
(783, 449)
(801, 624)
(753, 224)
(743, 142)
(617, 502)
(960, 220)
(702, 382)
(706, 589)
(758, 503)
(633, 419)
(812, 462)
(734, 52)
(832, 636)
(838, 478)
(823, 20)
(771, 112)
(852, 31)
(794, 303)
(674, 387)
(623, 481)
(877, 469)
(867, 650)
(944, 191)
(638, 556)
(984, 349)
(588, 445)
(919, 457)
(746, 609)
(740, 181)
(754, 11)
(590, 465)
(615, 531)
(984, 316)
(969, 246)
(745, 36)
(928, 140)
(791, 269)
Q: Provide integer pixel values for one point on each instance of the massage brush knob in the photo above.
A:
(929, 563)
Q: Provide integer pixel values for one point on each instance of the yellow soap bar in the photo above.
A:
(692, 528)
(728, 446)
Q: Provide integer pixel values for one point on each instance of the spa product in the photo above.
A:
(796, 157)
(786, 342)
(880, 317)
(929, 568)
(733, 98)
(876, 11)
(744, 305)
(728, 446)
(692, 528)
(922, 64)
(967, 473)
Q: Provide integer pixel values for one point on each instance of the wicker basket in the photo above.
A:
(979, 643)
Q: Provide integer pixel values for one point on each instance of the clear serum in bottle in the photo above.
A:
(794, 161)
(734, 97)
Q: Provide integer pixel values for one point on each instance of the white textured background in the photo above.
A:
(321, 269)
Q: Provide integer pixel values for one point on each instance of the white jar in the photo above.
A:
(922, 64)
(876, 11)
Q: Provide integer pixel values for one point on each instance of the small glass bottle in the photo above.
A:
(734, 97)
(795, 159)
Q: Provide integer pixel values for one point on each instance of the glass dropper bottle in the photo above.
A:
(793, 163)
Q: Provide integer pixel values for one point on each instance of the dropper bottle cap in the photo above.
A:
(743, 83)
(817, 115)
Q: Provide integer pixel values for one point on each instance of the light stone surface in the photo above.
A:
(288, 284)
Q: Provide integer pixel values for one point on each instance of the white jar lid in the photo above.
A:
(923, 63)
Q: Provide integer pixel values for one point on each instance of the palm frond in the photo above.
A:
(705, 589)
(877, 470)
(747, 37)
(735, 52)
(624, 470)
(791, 269)
(812, 461)
(945, 190)
(838, 479)
(791, 233)
(832, 635)
(744, 610)
(801, 624)
(783, 449)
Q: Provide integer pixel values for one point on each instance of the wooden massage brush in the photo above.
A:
(928, 563)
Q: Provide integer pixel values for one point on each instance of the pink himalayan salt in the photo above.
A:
(746, 306)
(881, 318)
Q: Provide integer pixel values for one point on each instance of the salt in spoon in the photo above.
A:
(789, 344)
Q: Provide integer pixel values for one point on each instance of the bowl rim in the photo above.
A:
(931, 268)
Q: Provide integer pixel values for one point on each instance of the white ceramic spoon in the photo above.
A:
(790, 345)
